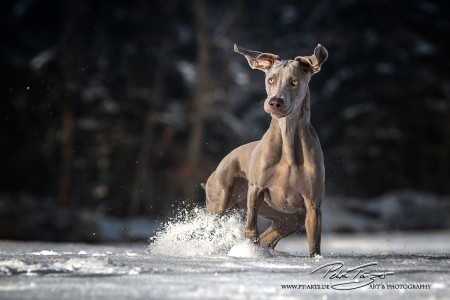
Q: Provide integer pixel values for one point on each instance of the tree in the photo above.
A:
(200, 104)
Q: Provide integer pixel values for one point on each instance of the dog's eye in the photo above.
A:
(294, 82)
(271, 81)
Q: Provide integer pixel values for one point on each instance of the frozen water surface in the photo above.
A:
(200, 257)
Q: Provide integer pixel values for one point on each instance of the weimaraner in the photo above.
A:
(282, 176)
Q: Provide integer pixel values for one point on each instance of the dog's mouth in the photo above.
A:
(278, 111)
(278, 114)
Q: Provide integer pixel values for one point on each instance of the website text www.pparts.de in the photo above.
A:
(377, 286)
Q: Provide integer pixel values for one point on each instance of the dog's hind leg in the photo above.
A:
(220, 198)
(283, 224)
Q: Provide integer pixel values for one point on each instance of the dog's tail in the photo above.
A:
(203, 185)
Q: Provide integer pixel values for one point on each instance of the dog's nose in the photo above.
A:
(276, 103)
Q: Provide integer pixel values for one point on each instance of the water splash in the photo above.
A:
(200, 233)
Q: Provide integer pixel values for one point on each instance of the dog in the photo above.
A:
(280, 177)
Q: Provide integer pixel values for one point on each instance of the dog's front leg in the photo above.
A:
(255, 198)
(313, 225)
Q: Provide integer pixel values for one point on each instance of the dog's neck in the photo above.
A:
(289, 138)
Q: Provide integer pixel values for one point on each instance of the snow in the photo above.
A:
(43, 58)
(45, 252)
(249, 249)
(198, 256)
(187, 71)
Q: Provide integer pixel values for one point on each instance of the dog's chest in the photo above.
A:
(285, 189)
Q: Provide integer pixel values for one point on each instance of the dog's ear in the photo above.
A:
(314, 62)
(257, 60)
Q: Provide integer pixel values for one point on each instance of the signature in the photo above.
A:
(358, 276)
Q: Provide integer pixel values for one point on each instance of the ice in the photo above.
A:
(201, 256)
(130, 253)
(9, 267)
(438, 286)
(90, 265)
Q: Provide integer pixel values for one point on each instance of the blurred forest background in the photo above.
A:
(113, 112)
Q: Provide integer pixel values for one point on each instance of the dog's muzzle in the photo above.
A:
(277, 107)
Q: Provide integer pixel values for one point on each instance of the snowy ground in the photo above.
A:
(203, 258)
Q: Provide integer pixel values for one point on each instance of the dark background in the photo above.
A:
(117, 110)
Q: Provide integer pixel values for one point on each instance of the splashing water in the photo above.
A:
(200, 233)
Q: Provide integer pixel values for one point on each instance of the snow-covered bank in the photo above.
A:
(31, 218)
(81, 271)
(386, 243)
(393, 211)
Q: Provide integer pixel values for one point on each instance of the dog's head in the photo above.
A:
(286, 80)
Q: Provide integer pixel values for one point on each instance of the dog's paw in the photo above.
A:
(253, 236)
(270, 238)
